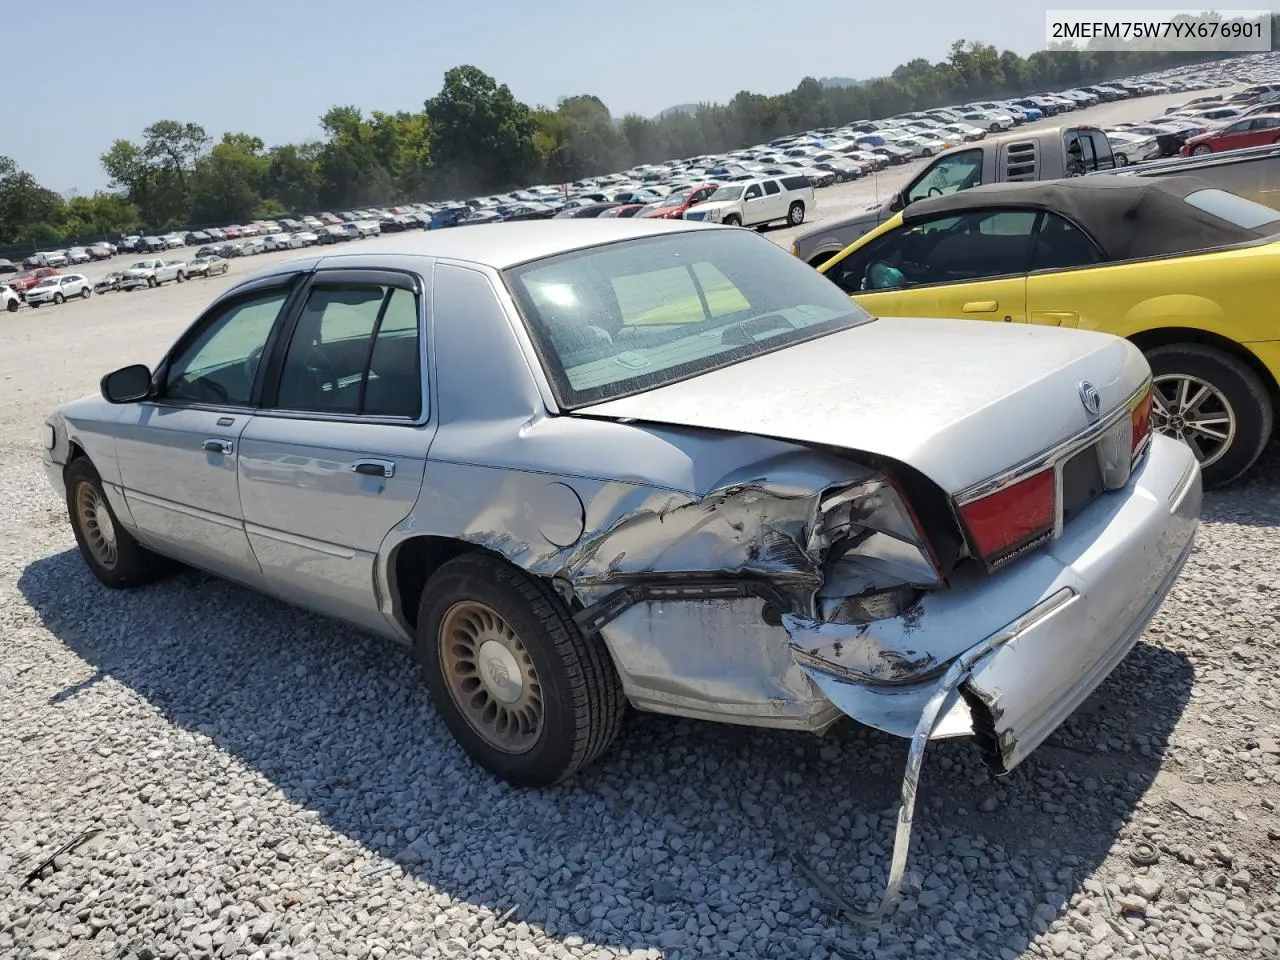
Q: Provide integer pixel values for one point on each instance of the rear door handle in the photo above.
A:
(980, 306)
(223, 447)
(374, 468)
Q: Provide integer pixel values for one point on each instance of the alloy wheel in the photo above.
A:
(491, 677)
(1196, 412)
(98, 527)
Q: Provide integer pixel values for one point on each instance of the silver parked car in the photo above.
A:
(583, 463)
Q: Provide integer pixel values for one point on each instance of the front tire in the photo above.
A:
(795, 215)
(1213, 402)
(59, 298)
(85, 293)
(524, 693)
(109, 550)
(732, 220)
(151, 281)
(13, 306)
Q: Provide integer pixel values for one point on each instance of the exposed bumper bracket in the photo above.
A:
(946, 688)
(676, 587)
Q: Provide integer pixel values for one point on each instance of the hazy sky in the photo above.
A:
(272, 67)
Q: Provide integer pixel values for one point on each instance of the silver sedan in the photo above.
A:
(577, 464)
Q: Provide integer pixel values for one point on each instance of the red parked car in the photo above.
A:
(1254, 131)
(28, 279)
(673, 206)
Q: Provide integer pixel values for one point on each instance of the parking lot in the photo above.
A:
(270, 784)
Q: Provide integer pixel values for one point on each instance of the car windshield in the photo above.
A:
(726, 193)
(631, 316)
(674, 199)
(47, 282)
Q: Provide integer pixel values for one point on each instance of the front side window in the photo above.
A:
(220, 363)
(630, 316)
(355, 350)
(753, 192)
(948, 174)
(953, 249)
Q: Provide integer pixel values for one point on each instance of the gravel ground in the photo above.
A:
(272, 785)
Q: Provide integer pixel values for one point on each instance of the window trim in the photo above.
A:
(345, 275)
(215, 310)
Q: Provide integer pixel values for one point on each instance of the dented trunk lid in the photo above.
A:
(960, 401)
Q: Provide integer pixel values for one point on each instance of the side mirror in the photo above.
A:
(127, 385)
(897, 201)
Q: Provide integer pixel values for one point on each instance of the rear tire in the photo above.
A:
(109, 550)
(1236, 406)
(152, 281)
(1201, 150)
(524, 693)
(795, 215)
(13, 306)
(182, 277)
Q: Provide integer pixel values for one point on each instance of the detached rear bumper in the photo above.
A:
(1037, 638)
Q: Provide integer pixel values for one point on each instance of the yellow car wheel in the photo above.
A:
(1214, 403)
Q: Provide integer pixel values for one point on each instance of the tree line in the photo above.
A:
(474, 137)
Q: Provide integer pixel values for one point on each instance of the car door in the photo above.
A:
(1262, 130)
(775, 203)
(334, 458)
(753, 205)
(1057, 293)
(178, 453)
(968, 266)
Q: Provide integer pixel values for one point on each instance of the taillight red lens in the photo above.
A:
(1003, 522)
(1141, 414)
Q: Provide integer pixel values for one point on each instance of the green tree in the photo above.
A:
(28, 211)
(483, 134)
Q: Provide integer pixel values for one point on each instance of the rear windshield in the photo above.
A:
(1236, 209)
(619, 319)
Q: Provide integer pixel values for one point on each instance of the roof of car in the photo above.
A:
(502, 245)
(1128, 217)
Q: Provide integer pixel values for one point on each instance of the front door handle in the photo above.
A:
(374, 468)
(980, 306)
(223, 447)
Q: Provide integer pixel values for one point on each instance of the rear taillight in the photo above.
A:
(1003, 524)
(1140, 414)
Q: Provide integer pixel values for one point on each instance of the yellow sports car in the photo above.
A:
(1188, 272)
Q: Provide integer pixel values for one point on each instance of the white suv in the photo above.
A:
(756, 203)
(9, 299)
(58, 289)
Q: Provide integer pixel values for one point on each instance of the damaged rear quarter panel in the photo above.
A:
(675, 502)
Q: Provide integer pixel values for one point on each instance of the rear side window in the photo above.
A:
(1234, 209)
(354, 351)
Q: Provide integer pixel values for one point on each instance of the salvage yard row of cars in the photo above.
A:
(666, 190)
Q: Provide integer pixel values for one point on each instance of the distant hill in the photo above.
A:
(840, 82)
(689, 108)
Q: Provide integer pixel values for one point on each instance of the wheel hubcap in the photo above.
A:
(490, 676)
(96, 524)
(1196, 412)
